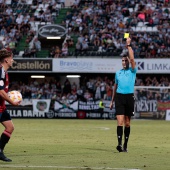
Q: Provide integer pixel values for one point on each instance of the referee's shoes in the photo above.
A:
(4, 158)
(120, 149)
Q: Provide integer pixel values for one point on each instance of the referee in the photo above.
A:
(123, 95)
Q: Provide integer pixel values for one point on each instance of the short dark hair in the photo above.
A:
(4, 53)
(124, 55)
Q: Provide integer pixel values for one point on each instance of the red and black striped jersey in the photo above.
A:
(4, 84)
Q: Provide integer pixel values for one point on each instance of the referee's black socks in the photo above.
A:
(126, 136)
(119, 134)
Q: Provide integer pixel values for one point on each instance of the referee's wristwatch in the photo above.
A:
(129, 45)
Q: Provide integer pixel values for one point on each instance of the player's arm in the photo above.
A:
(113, 96)
(4, 95)
(131, 53)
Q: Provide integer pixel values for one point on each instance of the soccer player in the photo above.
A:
(6, 60)
(123, 95)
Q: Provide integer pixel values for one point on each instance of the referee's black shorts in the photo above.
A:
(124, 104)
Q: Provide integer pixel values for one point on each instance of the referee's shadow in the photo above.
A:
(104, 150)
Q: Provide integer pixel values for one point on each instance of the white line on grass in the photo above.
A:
(103, 128)
(63, 167)
(84, 129)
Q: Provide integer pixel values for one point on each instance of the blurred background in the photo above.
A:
(54, 39)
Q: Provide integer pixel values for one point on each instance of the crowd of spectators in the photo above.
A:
(18, 19)
(13, 25)
(92, 88)
(59, 52)
(98, 24)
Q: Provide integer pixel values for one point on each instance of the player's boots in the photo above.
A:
(4, 158)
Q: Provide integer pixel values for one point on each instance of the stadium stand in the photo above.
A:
(108, 20)
(91, 87)
(101, 24)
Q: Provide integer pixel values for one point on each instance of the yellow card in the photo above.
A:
(126, 35)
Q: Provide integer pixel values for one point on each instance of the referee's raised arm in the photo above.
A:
(131, 54)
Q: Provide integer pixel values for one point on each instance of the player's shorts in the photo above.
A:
(5, 116)
(124, 104)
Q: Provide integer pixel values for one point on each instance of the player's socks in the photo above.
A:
(4, 139)
(126, 137)
(119, 134)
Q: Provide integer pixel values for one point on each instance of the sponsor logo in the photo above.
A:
(81, 114)
(75, 65)
(140, 65)
(158, 66)
(66, 115)
(50, 114)
(41, 105)
(25, 113)
(32, 65)
(52, 31)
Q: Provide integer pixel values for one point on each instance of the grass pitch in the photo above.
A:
(64, 144)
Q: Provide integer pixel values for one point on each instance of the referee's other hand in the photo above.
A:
(111, 106)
